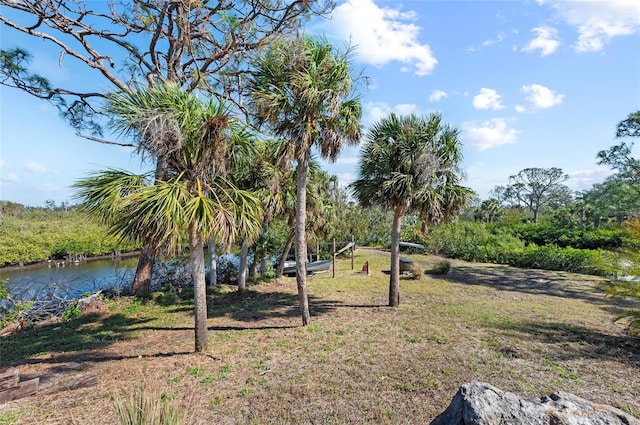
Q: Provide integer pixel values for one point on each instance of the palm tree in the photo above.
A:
(269, 176)
(407, 165)
(319, 207)
(302, 91)
(191, 138)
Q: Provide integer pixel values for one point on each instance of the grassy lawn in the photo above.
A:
(527, 331)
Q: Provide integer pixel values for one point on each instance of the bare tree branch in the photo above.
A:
(106, 142)
(204, 46)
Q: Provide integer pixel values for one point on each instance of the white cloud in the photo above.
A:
(597, 22)
(546, 41)
(35, 167)
(489, 42)
(346, 178)
(382, 35)
(541, 97)
(374, 111)
(487, 99)
(10, 178)
(437, 95)
(2, 163)
(520, 108)
(585, 179)
(488, 134)
(347, 160)
(499, 38)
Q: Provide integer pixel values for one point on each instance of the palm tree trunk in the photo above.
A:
(263, 265)
(196, 254)
(301, 238)
(394, 279)
(213, 263)
(423, 227)
(253, 265)
(144, 270)
(242, 273)
(285, 254)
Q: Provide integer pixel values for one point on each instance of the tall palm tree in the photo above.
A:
(407, 165)
(319, 207)
(302, 90)
(191, 137)
(269, 176)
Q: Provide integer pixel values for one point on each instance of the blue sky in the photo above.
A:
(531, 84)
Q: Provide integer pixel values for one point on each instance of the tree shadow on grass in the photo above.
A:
(83, 340)
(538, 282)
(255, 306)
(340, 304)
(569, 342)
(75, 337)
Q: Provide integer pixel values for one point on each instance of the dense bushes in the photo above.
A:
(38, 235)
(472, 241)
(541, 234)
(478, 242)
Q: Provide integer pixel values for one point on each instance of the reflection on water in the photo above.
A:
(70, 281)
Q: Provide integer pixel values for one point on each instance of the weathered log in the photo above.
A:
(78, 381)
(9, 378)
(23, 389)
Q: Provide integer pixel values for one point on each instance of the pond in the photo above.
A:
(70, 281)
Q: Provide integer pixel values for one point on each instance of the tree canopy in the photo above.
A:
(536, 188)
(408, 164)
(620, 157)
(192, 137)
(199, 45)
(302, 91)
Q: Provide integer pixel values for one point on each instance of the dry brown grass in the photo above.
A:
(529, 332)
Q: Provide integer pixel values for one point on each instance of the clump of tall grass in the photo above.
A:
(441, 267)
(145, 408)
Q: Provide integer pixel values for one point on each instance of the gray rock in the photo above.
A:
(478, 403)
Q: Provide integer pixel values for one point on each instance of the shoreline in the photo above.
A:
(46, 263)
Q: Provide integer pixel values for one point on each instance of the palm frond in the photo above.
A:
(100, 194)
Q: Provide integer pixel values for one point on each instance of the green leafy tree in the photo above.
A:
(199, 46)
(629, 127)
(403, 168)
(619, 157)
(302, 91)
(616, 198)
(536, 188)
(192, 138)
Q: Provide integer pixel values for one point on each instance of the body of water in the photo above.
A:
(70, 281)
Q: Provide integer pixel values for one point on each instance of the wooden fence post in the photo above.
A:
(334, 258)
(353, 250)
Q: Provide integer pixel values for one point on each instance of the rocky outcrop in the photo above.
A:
(478, 403)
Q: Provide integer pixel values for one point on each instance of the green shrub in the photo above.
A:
(72, 311)
(471, 241)
(546, 234)
(585, 261)
(491, 244)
